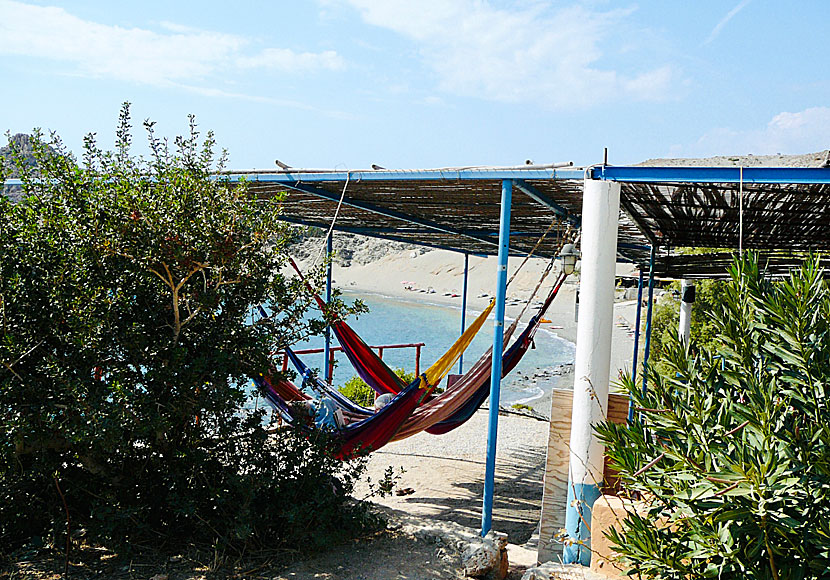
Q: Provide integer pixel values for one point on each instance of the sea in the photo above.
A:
(401, 321)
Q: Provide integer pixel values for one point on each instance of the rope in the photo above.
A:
(545, 275)
(334, 219)
(530, 253)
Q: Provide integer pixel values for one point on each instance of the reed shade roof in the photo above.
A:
(715, 265)
(780, 219)
(459, 215)
(775, 216)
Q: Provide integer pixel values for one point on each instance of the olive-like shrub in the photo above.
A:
(127, 344)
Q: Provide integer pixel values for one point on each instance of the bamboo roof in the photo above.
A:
(782, 212)
(455, 209)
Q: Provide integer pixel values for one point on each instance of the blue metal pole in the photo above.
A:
(495, 372)
(636, 341)
(648, 316)
(464, 309)
(327, 348)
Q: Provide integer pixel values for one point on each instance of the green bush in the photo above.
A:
(359, 392)
(731, 451)
(126, 291)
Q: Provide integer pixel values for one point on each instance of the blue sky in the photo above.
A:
(428, 83)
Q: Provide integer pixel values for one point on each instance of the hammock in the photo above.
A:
(375, 372)
(477, 379)
(364, 359)
(452, 408)
(402, 416)
(371, 368)
(362, 436)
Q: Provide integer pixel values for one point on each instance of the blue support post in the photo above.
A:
(636, 341)
(648, 317)
(495, 372)
(464, 309)
(327, 349)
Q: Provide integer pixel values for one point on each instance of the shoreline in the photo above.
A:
(436, 278)
(536, 383)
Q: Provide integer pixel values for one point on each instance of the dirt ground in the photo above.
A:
(429, 526)
(441, 511)
(446, 475)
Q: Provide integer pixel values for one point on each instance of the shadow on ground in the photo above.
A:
(517, 497)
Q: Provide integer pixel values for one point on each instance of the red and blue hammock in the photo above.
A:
(441, 413)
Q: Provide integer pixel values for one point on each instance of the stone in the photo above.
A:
(486, 558)
(557, 571)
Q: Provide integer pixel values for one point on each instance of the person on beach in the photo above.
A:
(383, 400)
(323, 413)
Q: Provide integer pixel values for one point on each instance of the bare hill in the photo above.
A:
(818, 159)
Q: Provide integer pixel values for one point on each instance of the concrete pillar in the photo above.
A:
(592, 367)
(687, 299)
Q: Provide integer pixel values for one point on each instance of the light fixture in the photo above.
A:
(568, 255)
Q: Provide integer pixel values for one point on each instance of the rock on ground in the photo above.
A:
(486, 558)
(556, 571)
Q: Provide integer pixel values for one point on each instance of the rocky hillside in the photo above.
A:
(806, 160)
(23, 143)
(350, 249)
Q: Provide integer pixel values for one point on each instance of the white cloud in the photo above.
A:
(529, 52)
(284, 59)
(723, 21)
(174, 54)
(806, 131)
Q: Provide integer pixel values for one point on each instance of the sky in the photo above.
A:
(343, 84)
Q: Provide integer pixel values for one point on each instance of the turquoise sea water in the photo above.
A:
(392, 321)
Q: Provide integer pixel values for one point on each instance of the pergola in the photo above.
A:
(638, 214)
(454, 209)
(654, 211)
(781, 212)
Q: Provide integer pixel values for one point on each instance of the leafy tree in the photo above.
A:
(126, 349)
(731, 452)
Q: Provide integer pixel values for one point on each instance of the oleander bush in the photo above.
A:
(666, 318)
(730, 453)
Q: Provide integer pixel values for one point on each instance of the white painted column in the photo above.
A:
(687, 299)
(592, 367)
